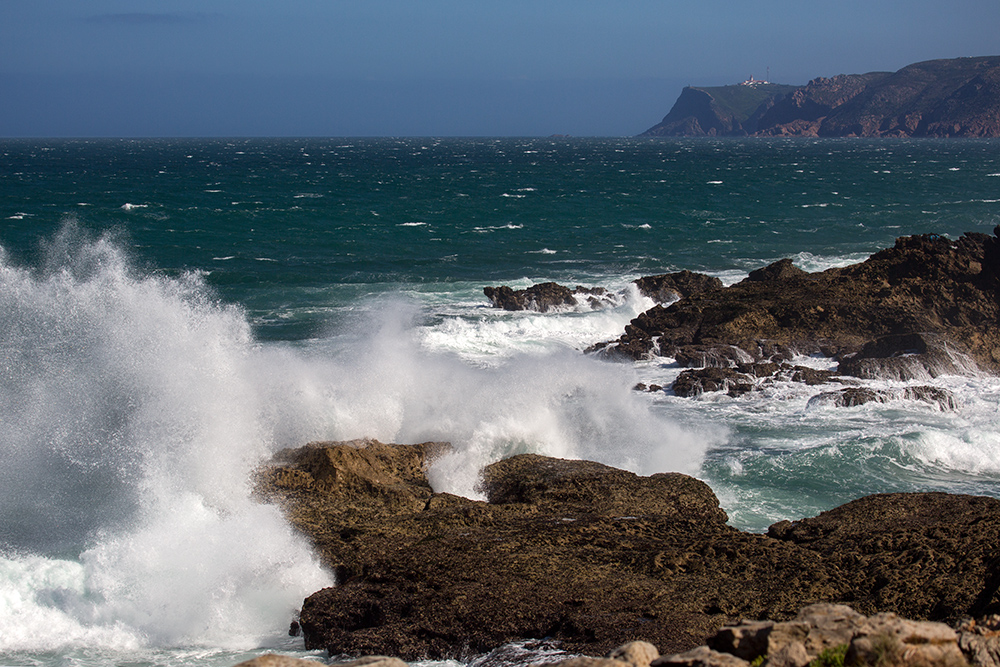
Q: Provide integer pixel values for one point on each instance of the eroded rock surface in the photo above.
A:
(883, 639)
(544, 297)
(593, 557)
(924, 308)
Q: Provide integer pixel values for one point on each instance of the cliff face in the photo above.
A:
(937, 98)
(724, 111)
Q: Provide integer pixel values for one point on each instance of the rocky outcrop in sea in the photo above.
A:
(543, 297)
(925, 307)
(593, 557)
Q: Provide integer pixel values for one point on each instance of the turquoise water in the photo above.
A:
(284, 220)
(174, 311)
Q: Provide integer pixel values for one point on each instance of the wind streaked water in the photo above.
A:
(173, 311)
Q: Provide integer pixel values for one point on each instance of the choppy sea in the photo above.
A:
(174, 311)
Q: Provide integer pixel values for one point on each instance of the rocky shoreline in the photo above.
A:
(593, 557)
(820, 635)
(926, 307)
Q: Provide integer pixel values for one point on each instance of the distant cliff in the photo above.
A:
(937, 98)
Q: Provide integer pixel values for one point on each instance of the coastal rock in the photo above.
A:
(888, 639)
(696, 382)
(926, 307)
(636, 654)
(585, 661)
(827, 629)
(373, 661)
(850, 397)
(708, 356)
(980, 641)
(702, 656)
(913, 356)
(542, 297)
(669, 287)
(815, 628)
(927, 556)
(781, 271)
(592, 557)
(275, 660)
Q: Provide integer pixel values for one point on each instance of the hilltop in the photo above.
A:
(937, 98)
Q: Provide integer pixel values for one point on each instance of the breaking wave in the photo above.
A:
(136, 406)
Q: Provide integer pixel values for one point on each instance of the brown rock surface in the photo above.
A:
(928, 293)
(544, 297)
(275, 660)
(980, 641)
(910, 553)
(668, 287)
(591, 556)
(883, 639)
(541, 297)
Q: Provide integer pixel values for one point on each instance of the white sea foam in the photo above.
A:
(133, 417)
(136, 407)
(490, 339)
(408, 385)
(814, 263)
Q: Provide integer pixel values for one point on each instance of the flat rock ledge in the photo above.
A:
(592, 557)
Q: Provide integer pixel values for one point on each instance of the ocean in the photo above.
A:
(172, 312)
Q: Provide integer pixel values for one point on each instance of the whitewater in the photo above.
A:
(172, 313)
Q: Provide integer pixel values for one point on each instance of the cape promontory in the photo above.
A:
(957, 97)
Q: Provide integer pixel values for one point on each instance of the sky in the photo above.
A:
(145, 68)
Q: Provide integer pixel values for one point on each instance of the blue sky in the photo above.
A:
(434, 67)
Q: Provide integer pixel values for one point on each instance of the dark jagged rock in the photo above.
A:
(695, 382)
(915, 552)
(914, 356)
(669, 287)
(591, 556)
(541, 297)
(849, 397)
(708, 356)
(925, 307)
(782, 271)
(747, 377)
(546, 296)
(937, 98)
